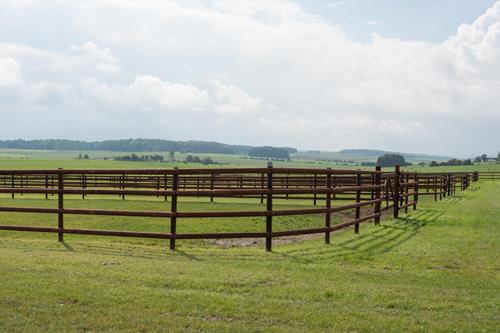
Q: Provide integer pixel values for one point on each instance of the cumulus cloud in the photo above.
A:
(257, 72)
(9, 72)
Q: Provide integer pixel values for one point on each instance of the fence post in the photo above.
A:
(407, 191)
(386, 189)
(13, 185)
(123, 186)
(165, 185)
(212, 181)
(449, 185)
(442, 186)
(84, 185)
(396, 191)
(287, 184)
(269, 218)
(378, 169)
(46, 186)
(358, 200)
(328, 215)
(315, 181)
(262, 187)
(173, 208)
(434, 182)
(60, 205)
(415, 191)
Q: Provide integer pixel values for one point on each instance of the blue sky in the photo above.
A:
(410, 76)
(423, 20)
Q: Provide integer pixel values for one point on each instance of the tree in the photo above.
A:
(80, 156)
(468, 162)
(86, 157)
(477, 159)
(498, 157)
(484, 158)
(390, 160)
(171, 156)
(208, 160)
(433, 164)
(269, 152)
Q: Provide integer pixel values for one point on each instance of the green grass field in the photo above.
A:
(437, 269)
(46, 159)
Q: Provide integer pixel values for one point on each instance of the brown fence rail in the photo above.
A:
(489, 175)
(376, 189)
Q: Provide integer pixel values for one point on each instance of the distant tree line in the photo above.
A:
(485, 158)
(143, 158)
(452, 162)
(195, 159)
(269, 152)
(132, 145)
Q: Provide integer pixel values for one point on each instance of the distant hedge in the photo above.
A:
(269, 152)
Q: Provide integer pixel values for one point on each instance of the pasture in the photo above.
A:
(435, 269)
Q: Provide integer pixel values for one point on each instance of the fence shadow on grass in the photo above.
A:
(371, 241)
(374, 241)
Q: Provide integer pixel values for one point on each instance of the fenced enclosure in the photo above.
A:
(364, 194)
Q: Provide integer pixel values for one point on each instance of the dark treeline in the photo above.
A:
(269, 152)
(452, 162)
(143, 158)
(132, 145)
(196, 159)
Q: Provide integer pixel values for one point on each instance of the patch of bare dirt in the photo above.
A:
(344, 216)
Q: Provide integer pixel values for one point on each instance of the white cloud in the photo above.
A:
(9, 72)
(259, 72)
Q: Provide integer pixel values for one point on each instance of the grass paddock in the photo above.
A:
(436, 269)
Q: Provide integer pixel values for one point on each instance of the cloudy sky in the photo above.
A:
(413, 76)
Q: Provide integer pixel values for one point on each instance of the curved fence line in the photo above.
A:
(364, 188)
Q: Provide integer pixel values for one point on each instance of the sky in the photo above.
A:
(409, 76)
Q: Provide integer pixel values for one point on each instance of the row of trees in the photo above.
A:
(452, 162)
(132, 145)
(269, 152)
(143, 158)
(195, 159)
(484, 158)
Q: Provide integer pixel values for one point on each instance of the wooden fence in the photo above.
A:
(356, 189)
(489, 175)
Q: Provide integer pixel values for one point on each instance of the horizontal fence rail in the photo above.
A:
(357, 189)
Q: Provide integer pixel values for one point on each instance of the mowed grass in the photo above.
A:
(436, 269)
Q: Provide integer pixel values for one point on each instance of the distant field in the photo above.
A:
(40, 159)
